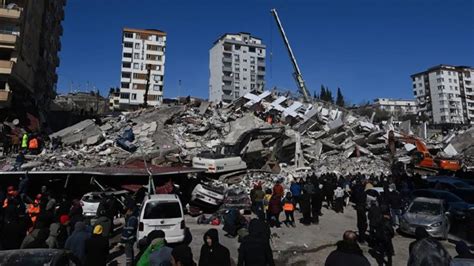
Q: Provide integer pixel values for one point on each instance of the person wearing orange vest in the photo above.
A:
(33, 145)
(289, 207)
(33, 210)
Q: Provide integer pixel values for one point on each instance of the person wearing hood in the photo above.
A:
(76, 213)
(97, 248)
(255, 248)
(463, 251)
(77, 241)
(347, 252)
(182, 256)
(156, 253)
(212, 252)
(427, 250)
(64, 231)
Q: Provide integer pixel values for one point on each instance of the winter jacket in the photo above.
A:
(96, 250)
(155, 245)
(215, 255)
(257, 195)
(266, 201)
(274, 206)
(295, 189)
(339, 192)
(288, 204)
(347, 253)
(129, 231)
(428, 251)
(52, 240)
(255, 249)
(161, 257)
(77, 241)
(279, 190)
(395, 200)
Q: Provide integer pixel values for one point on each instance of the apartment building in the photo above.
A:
(143, 68)
(445, 94)
(236, 66)
(396, 106)
(30, 32)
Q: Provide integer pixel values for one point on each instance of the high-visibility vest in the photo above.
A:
(24, 141)
(33, 143)
(288, 207)
(33, 211)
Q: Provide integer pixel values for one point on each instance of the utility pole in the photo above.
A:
(147, 88)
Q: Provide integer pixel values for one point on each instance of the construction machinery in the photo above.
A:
(423, 161)
(297, 74)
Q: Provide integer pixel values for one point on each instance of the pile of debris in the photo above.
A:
(256, 127)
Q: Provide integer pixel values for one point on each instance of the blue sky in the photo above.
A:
(368, 48)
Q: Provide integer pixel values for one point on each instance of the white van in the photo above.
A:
(162, 212)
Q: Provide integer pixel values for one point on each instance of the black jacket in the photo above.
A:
(255, 249)
(97, 250)
(215, 255)
(345, 254)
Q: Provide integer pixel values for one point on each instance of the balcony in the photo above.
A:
(227, 59)
(227, 69)
(261, 63)
(227, 88)
(11, 14)
(227, 97)
(6, 67)
(227, 78)
(8, 37)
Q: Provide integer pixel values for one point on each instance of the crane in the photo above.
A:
(297, 74)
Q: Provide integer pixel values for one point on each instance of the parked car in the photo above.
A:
(428, 213)
(91, 201)
(456, 206)
(162, 212)
(466, 194)
(446, 183)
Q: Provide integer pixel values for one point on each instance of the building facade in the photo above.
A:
(445, 94)
(30, 32)
(236, 66)
(396, 106)
(143, 68)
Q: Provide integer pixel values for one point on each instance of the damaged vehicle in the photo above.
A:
(90, 201)
(430, 214)
(206, 195)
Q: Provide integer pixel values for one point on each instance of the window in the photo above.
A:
(124, 95)
(157, 87)
(162, 210)
(157, 78)
(136, 66)
(128, 35)
(252, 60)
(236, 57)
(252, 86)
(236, 47)
(134, 96)
(237, 94)
(414, 93)
(450, 80)
(125, 85)
(137, 45)
(139, 76)
(136, 56)
(126, 65)
(252, 68)
(237, 75)
(159, 57)
(252, 78)
(128, 44)
(127, 55)
(245, 60)
(414, 85)
(245, 78)
(245, 69)
(419, 84)
(152, 57)
(450, 87)
(237, 87)
(455, 80)
(125, 74)
(252, 49)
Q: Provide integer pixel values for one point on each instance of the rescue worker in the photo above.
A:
(96, 248)
(33, 145)
(24, 142)
(33, 210)
(129, 235)
(289, 208)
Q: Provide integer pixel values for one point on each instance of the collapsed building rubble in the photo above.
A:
(263, 130)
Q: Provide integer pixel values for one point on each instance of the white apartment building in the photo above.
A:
(143, 61)
(236, 66)
(396, 106)
(445, 94)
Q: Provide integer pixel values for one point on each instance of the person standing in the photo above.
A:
(305, 203)
(212, 252)
(275, 208)
(24, 142)
(339, 200)
(96, 248)
(375, 218)
(256, 196)
(395, 203)
(128, 236)
(77, 241)
(348, 252)
(289, 208)
(279, 190)
(310, 190)
(106, 224)
(255, 247)
(266, 202)
(384, 233)
(360, 199)
(295, 189)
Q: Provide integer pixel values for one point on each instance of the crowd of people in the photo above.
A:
(47, 221)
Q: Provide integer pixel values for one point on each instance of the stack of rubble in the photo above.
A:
(321, 136)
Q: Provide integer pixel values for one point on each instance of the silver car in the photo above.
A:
(428, 213)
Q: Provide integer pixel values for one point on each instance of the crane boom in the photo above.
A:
(297, 75)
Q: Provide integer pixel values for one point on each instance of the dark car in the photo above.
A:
(446, 183)
(466, 194)
(456, 205)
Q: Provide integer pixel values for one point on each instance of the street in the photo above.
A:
(303, 245)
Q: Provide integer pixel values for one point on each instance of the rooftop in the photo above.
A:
(146, 31)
